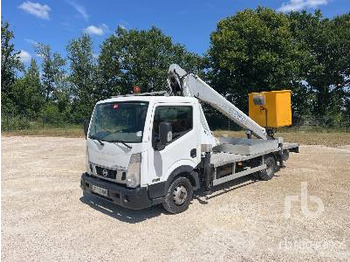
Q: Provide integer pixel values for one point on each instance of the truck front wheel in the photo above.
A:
(179, 195)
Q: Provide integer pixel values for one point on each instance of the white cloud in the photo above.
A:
(80, 9)
(124, 24)
(296, 5)
(31, 41)
(24, 56)
(36, 9)
(96, 30)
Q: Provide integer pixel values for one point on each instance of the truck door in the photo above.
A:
(184, 149)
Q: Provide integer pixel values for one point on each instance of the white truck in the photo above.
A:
(157, 148)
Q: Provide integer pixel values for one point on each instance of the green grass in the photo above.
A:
(65, 131)
(327, 137)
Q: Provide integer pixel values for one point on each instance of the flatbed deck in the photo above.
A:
(223, 158)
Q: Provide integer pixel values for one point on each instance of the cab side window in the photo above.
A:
(180, 118)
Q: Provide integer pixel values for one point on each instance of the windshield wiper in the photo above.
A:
(120, 141)
(97, 139)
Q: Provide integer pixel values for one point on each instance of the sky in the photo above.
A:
(189, 22)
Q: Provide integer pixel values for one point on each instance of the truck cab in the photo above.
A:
(137, 145)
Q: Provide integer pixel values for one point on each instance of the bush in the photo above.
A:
(52, 115)
(14, 122)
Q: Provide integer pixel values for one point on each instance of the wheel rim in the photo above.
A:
(180, 195)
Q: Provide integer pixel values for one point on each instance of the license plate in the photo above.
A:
(99, 190)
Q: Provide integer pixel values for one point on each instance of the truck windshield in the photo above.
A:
(118, 122)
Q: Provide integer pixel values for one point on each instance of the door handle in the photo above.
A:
(193, 152)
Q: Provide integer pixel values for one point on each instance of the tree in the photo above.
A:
(10, 63)
(250, 51)
(341, 66)
(325, 68)
(28, 93)
(53, 76)
(56, 86)
(139, 57)
(82, 77)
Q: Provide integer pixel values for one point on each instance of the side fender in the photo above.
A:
(160, 189)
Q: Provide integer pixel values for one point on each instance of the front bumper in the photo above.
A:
(133, 198)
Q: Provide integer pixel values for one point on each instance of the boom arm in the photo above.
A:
(190, 85)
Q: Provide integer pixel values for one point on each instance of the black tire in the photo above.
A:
(179, 195)
(269, 172)
(285, 155)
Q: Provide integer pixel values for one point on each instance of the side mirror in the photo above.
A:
(165, 134)
(86, 127)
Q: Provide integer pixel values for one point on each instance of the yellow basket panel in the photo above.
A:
(276, 111)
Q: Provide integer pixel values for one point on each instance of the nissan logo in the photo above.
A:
(105, 172)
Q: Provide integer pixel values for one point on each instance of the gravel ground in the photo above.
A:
(45, 217)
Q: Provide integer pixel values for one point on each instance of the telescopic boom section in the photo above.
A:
(190, 85)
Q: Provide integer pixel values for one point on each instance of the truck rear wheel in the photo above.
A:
(269, 172)
(179, 195)
(285, 155)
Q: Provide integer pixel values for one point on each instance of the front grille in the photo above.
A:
(104, 172)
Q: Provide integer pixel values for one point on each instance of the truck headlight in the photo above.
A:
(133, 172)
(87, 161)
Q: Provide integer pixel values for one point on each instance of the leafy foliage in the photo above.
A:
(82, 77)
(53, 72)
(260, 49)
(252, 50)
(10, 63)
(28, 92)
(325, 68)
(139, 57)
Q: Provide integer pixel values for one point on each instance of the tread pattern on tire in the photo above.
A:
(169, 204)
(264, 174)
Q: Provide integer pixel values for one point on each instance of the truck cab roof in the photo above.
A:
(151, 99)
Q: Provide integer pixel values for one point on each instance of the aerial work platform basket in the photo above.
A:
(271, 109)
